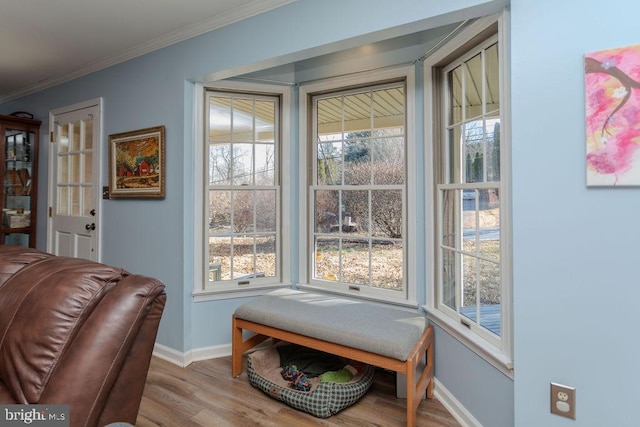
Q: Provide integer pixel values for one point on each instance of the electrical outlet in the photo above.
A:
(563, 400)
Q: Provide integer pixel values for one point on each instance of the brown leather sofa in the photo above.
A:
(75, 332)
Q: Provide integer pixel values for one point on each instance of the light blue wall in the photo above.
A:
(485, 393)
(575, 248)
(155, 237)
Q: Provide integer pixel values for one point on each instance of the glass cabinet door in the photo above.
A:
(18, 154)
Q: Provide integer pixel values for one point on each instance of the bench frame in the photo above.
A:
(417, 382)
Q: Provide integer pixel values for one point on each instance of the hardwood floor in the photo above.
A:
(205, 394)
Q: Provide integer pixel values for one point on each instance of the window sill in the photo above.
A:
(358, 296)
(489, 353)
(211, 295)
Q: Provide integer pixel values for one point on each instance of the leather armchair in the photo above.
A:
(75, 332)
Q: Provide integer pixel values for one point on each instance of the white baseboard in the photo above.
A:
(441, 393)
(454, 407)
(185, 359)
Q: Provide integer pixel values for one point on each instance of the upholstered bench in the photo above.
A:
(390, 338)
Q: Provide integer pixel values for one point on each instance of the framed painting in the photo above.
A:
(137, 164)
(612, 96)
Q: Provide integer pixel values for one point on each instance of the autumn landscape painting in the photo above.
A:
(136, 163)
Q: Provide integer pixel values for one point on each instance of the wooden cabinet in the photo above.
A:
(19, 164)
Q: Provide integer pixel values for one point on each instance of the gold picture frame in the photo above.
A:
(137, 164)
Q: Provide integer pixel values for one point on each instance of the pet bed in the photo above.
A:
(323, 400)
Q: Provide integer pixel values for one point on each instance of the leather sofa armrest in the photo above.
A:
(102, 347)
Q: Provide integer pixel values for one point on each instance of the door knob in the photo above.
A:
(92, 212)
(91, 226)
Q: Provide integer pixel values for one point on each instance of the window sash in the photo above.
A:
(452, 298)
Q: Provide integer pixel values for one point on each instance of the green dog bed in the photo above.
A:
(323, 400)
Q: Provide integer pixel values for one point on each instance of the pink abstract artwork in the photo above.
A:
(612, 86)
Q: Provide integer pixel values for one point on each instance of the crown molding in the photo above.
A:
(202, 27)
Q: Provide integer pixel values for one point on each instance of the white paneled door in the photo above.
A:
(74, 176)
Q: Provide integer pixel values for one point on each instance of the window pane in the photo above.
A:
(449, 228)
(469, 219)
(74, 162)
(327, 211)
(63, 201)
(329, 159)
(355, 261)
(387, 264)
(88, 163)
(490, 299)
(481, 222)
(265, 121)
(219, 119)
(388, 161)
(63, 169)
(449, 269)
(265, 164)
(493, 149)
(386, 213)
(329, 118)
(357, 162)
(327, 259)
(452, 156)
(489, 222)
(266, 256)
(388, 108)
(88, 134)
(243, 219)
(265, 210)
(220, 164)
(469, 280)
(474, 151)
(473, 87)
(242, 164)
(357, 112)
(355, 208)
(243, 257)
(242, 120)
(489, 276)
(75, 136)
(64, 139)
(493, 78)
(220, 212)
(220, 257)
(455, 90)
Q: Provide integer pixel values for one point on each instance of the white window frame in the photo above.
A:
(499, 352)
(201, 251)
(408, 297)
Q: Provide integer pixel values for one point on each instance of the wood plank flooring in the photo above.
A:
(205, 394)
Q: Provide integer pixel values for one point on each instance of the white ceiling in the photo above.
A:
(47, 42)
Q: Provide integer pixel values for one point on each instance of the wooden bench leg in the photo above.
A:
(240, 345)
(236, 349)
(412, 407)
(419, 383)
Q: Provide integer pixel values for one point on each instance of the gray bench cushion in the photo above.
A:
(378, 329)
